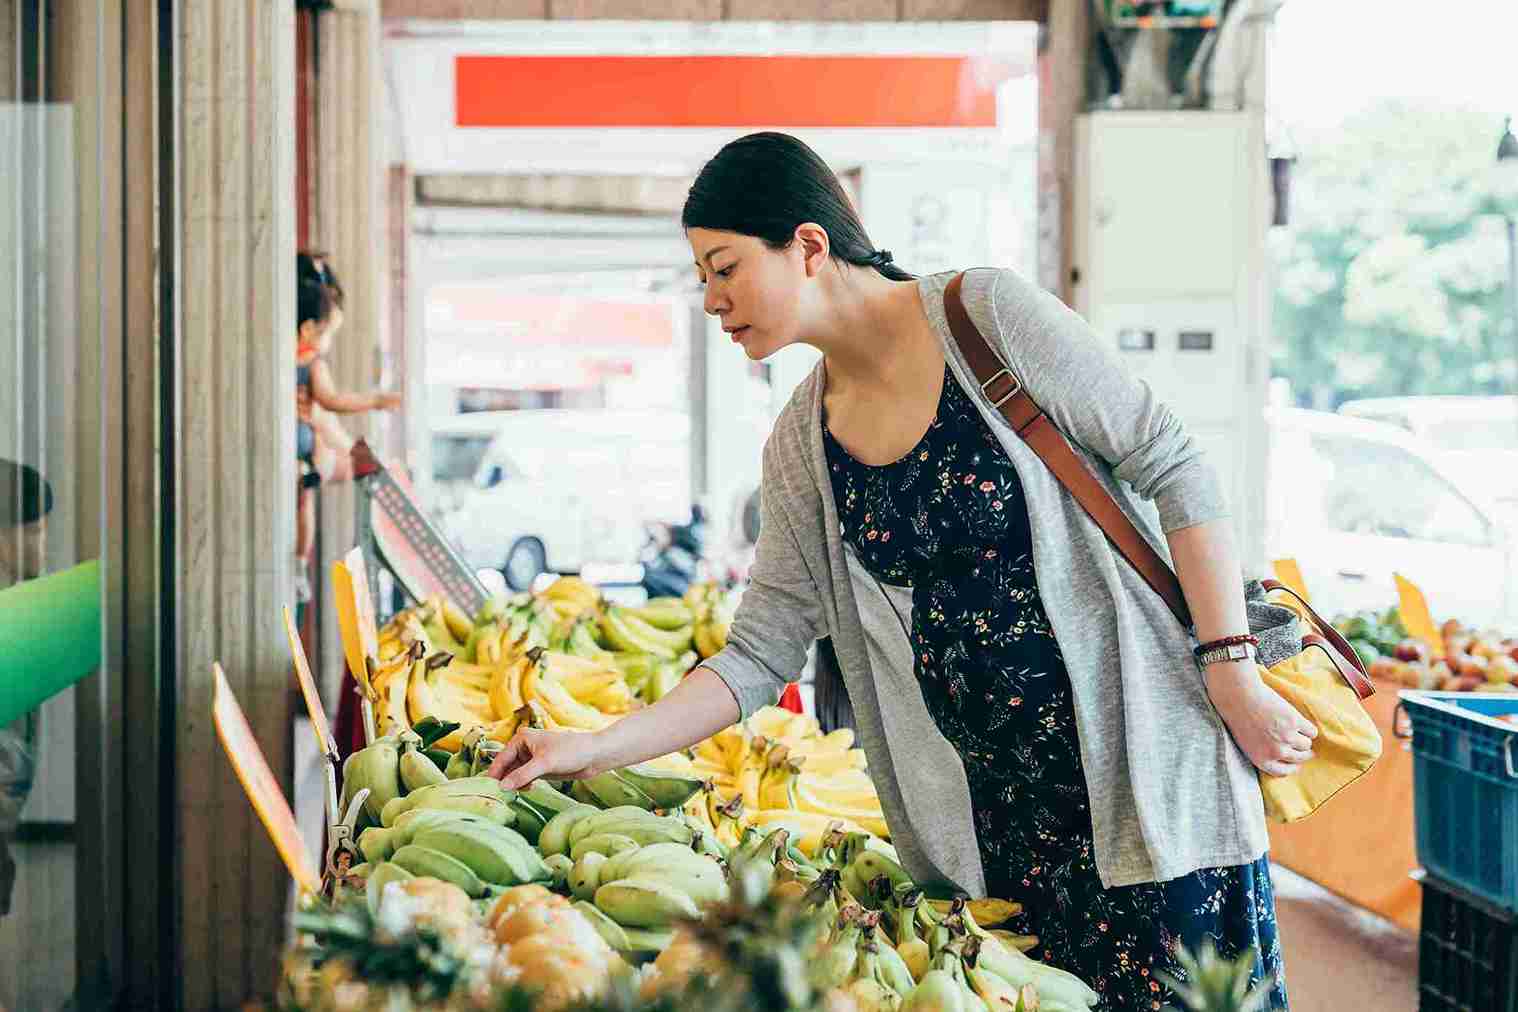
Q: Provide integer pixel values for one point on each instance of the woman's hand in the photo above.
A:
(563, 755)
(1275, 737)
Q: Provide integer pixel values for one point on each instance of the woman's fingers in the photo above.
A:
(525, 774)
(513, 755)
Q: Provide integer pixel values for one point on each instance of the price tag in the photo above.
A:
(1412, 609)
(303, 677)
(1289, 573)
(355, 615)
(259, 784)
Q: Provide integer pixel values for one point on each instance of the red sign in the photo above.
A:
(727, 91)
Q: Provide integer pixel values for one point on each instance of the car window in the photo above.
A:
(1376, 488)
(457, 457)
(1474, 434)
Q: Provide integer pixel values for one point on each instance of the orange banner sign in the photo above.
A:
(259, 784)
(1419, 622)
(307, 682)
(1289, 573)
(728, 91)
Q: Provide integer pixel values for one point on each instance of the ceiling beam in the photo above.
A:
(606, 194)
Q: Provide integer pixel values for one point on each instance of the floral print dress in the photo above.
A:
(948, 519)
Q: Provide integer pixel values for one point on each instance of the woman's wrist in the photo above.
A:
(1230, 674)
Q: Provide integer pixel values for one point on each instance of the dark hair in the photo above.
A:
(317, 290)
(25, 496)
(766, 184)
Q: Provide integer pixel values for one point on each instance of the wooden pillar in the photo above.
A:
(351, 227)
(1062, 97)
(234, 468)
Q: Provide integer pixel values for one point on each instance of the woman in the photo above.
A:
(1032, 714)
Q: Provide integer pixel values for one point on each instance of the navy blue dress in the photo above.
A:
(948, 519)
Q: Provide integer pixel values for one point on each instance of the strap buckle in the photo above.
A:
(1013, 392)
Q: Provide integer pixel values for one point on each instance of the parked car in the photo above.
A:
(1354, 501)
(1475, 438)
(557, 489)
(459, 443)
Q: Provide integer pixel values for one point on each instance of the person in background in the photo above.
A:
(321, 442)
(26, 499)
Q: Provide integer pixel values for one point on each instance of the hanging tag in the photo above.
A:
(1412, 609)
(360, 640)
(1289, 573)
(259, 784)
(303, 677)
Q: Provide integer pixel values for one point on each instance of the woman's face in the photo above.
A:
(757, 292)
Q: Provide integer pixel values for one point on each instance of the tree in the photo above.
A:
(1391, 278)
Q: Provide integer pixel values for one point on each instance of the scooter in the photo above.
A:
(671, 557)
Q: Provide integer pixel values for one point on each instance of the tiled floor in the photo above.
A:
(1340, 958)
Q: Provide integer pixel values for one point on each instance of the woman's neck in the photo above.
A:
(876, 333)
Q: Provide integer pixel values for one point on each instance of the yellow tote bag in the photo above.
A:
(1325, 684)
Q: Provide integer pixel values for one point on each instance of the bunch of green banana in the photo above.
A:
(535, 806)
(570, 827)
(461, 764)
(862, 864)
(417, 770)
(669, 614)
(624, 630)
(481, 796)
(650, 887)
(833, 963)
(643, 786)
(498, 855)
(667, 675)
(881, 980)
(1058, 990)
(376, 767)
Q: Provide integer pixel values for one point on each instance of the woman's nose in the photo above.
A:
(714, 302)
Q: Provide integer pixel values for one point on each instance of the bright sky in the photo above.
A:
(1333, 57)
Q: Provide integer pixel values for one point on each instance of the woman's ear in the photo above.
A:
(812, 241)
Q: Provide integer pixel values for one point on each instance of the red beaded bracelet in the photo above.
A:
(1227, 641)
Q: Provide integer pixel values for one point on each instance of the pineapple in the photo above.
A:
(349, 958)
(1214, 984)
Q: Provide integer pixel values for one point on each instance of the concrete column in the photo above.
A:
(351, 226)
(398, 363)
(233, 445)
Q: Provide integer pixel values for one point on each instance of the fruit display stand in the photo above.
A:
(751, 872)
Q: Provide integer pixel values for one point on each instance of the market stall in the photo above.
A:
(752, 871)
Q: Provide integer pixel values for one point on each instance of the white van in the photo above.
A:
(556, 489)
(1355, 501)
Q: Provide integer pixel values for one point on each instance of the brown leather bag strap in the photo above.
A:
(1006, 394)
(1331, 642)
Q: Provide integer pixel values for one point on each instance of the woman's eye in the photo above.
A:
(726, 272)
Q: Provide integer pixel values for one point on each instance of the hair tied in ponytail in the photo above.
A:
(880, 258)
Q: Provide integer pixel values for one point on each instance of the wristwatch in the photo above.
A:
(1230, 652)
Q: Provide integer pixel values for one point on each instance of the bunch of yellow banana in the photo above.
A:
(779, 769)
(570, 596)
(713, 610)
(495, 673)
